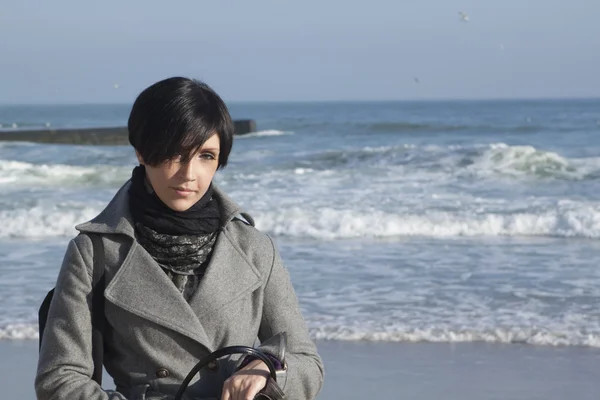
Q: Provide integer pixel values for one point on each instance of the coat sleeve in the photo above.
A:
(281, 313)
(65, 364)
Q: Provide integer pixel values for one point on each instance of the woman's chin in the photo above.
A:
(181, 204)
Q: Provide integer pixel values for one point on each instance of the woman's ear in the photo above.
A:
(139, 157)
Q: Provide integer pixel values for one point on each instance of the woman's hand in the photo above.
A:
(247, 382)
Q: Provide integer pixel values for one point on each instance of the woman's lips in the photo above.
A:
(183, 192)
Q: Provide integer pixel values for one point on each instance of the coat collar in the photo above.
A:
(141, 287)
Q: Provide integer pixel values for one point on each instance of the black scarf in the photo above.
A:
(148, 210)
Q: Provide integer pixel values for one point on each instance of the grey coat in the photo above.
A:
(155, 337)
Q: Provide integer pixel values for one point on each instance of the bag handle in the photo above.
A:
(224, 352)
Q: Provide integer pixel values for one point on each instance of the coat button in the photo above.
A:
(213, 366)
(162, 373)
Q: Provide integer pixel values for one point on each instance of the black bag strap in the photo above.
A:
(43, 315)
(98, 317)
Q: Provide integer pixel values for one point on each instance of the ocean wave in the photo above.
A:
(510, 335)
(523, 161)
(566, 219)
(506, 335)
(350, 219)
(498, 159)
(23, 173)
(46, 220)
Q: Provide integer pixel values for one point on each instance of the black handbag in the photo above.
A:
(272, 391)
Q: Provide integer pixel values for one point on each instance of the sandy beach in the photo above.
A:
(424, 371)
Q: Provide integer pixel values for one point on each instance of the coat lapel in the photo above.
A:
(141, 287)
(229, 276)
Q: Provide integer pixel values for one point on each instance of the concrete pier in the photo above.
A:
(94, 136)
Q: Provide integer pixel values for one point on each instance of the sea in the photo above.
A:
(430, 221)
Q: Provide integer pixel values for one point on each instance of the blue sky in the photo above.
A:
(67, 51)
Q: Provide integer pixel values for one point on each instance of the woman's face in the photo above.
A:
(180, 185)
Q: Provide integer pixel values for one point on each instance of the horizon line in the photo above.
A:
(355, 101)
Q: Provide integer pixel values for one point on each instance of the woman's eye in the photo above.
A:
(207, 156)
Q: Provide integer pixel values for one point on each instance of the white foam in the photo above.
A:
(19, 332)
(22, 173)
(567, 219)
(46, 220)
(268, 132)
(481, 160)
(534, 336)
(520, 161)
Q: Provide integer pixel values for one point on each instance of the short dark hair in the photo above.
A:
(176, 116)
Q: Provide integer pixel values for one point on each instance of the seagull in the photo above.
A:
(416, 80)
(463, 17)
(116, 85)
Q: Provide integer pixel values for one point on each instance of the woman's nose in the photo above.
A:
(187, 171)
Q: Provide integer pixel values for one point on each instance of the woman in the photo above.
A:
(186, 273)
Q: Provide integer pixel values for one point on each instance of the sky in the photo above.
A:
(71, 51)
